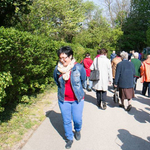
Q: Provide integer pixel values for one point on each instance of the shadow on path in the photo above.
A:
(142, 99)
(132, 142)
(57, 122)
(140, 115)
(138, 91)
(93, 100)
(90, 99)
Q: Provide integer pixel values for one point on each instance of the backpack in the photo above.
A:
(140, 56)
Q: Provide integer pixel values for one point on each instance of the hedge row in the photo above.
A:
(28, 60)
(27, 63)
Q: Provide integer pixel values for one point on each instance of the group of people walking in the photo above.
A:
(71, 79)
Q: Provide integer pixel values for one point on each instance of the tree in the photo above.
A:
(12, 10)
(117, 10)
(99, 34)
(121, 11)
(136, 25)
(108, 4)
(148, 36)
(60, 20)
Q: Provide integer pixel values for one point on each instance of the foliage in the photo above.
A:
(5, 81)
(116, 11)
(79, 51)
(12, 10)
(98, 35)
(60, 20)
(136, 25)
(29, 59)
(120, 18)
(148, 36)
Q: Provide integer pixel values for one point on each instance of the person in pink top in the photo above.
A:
(98, 53)
(87, 62)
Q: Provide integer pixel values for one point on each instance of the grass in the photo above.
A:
(24, 118)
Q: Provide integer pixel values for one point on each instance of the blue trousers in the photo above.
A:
(71, 111)
(90, 83)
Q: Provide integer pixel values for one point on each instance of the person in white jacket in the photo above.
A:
(101, 85)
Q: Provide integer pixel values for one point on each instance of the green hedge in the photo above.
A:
(26, 64)
(5, 81)
(29, 59)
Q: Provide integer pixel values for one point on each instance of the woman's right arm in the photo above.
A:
(117, 74)
(55, 75)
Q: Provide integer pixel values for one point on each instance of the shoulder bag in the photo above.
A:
(95, 74)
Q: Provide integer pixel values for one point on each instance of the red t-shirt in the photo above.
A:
(69, 94)
(87, 63)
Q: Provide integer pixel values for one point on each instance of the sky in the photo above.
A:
(96, 1)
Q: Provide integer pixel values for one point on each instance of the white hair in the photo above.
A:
(136, 55)
(124, 55)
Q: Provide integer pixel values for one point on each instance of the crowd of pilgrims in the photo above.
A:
(122, 71)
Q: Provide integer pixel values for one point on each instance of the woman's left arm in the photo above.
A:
(55, 75)
(83, 74)
(117, 75)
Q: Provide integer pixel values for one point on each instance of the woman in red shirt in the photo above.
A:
(69, 77)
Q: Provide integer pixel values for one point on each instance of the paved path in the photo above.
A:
(110, 129)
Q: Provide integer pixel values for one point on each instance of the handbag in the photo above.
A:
(94, 75)
(115, 96)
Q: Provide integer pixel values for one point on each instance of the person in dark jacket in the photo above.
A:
(69, 77)
(113, 55)
(124, 78)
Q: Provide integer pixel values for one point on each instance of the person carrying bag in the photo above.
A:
(94, 75)
(101, 77)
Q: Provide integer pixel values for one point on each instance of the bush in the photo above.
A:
(80, 51)
(29, 59)
(5, 81)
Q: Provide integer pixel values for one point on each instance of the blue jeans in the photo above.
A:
(145, 86)
(90, 83)
(71, 111)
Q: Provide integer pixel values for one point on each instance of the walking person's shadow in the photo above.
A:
(132, 142)
(57, 122)
(140, 115)
(90, 99)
